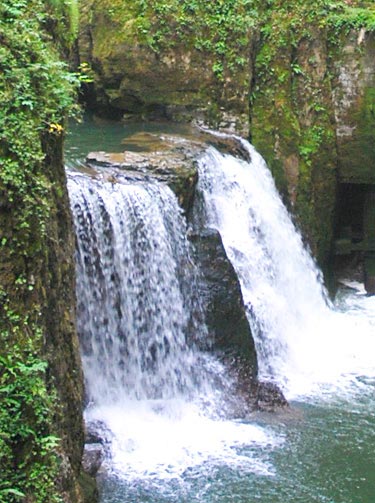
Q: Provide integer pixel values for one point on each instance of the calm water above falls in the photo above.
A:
(175, 447)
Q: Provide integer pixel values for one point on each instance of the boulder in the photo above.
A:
(92, 459)
(269, 397)
(222, 299)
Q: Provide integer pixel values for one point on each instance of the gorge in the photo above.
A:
(194, 294)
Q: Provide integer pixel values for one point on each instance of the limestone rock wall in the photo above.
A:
(353, 92)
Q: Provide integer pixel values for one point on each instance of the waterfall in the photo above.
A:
(162, 401)
(134, 290)
(300, 340)
(159, 404)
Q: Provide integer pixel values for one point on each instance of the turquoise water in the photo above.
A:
(97, 134)
(321, 450)
(326, 455)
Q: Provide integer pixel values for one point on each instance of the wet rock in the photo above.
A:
(92, 459)
(227, 144)
(89, 488)
(222, 299)
(369, 273)
(370, 284)
(269, 397)
(241, 399)
(97, 432)
(173, 163)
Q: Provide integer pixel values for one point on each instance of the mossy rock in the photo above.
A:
(166, 61)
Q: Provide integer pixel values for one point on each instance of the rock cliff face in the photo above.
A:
(353, 92)
(312, 121)
(354, 107)
(303, 86)
(167, 61)
(57, 296)
(41, 385)
(38, 285)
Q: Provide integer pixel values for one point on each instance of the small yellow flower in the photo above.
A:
(55, 128)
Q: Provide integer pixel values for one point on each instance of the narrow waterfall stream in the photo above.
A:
(302, 343)
(161, 402)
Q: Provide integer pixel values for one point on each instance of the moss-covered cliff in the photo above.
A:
(298, 75)
(181, 60)
(313, 78)
(41, 429)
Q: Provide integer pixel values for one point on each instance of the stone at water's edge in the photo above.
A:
(92, 460)
(370, 284)
(269, 397)
(369, 273)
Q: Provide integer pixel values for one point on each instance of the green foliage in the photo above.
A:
(36, 90)
(353, 17)
(36, 94)
(64, 16)
(219, 28)
(27, 449)
(85, 73)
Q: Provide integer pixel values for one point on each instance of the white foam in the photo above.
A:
(163, 439)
